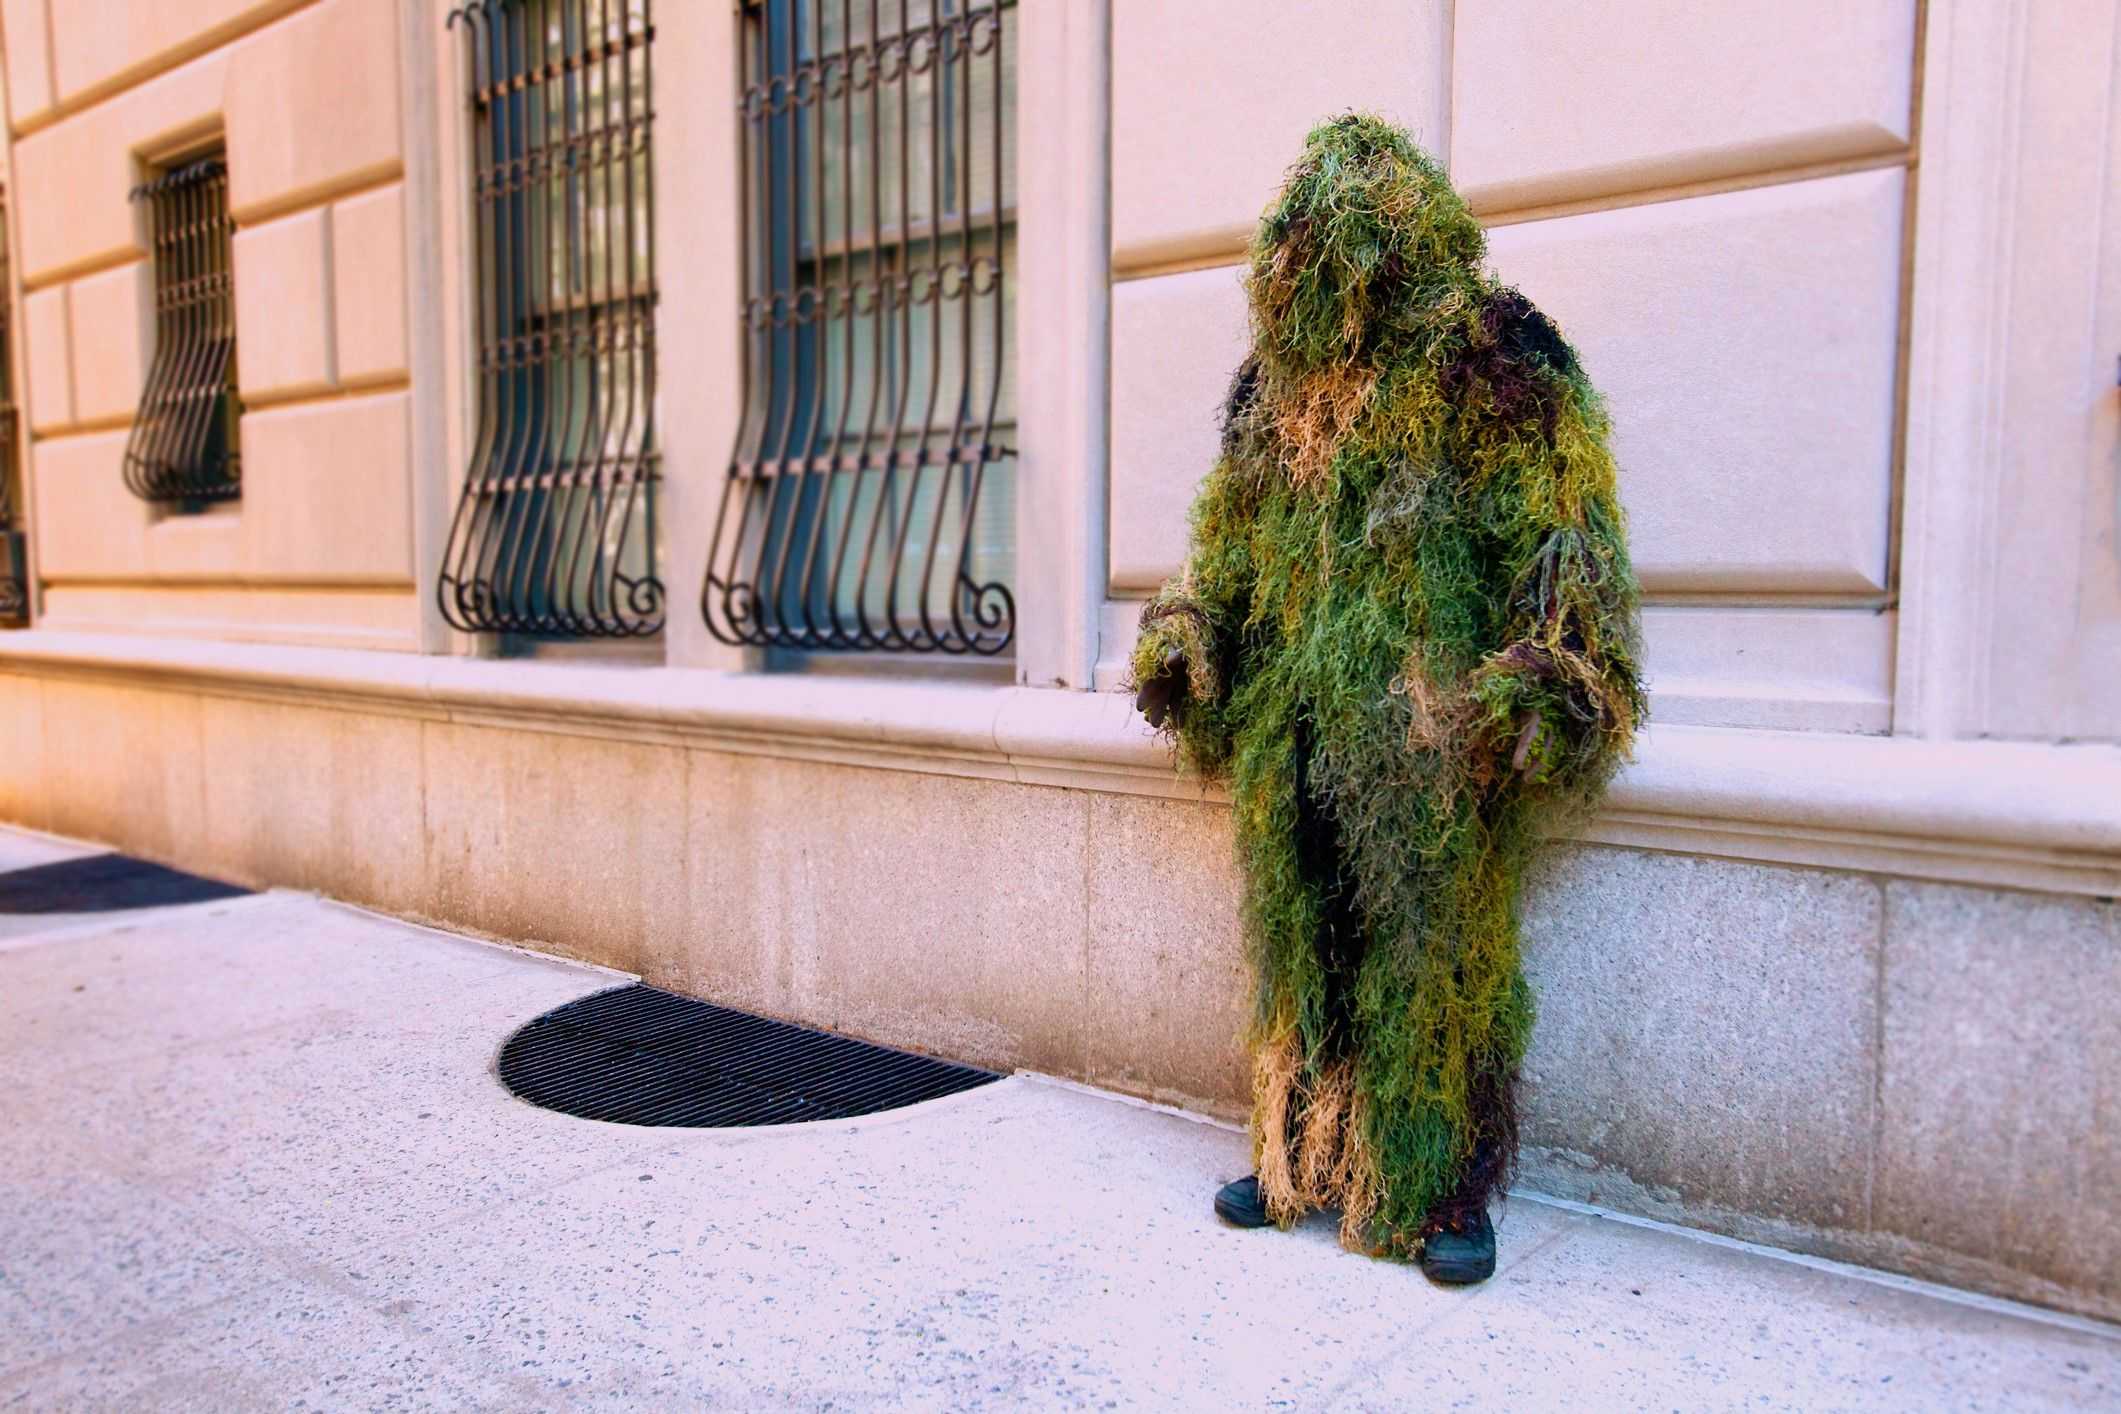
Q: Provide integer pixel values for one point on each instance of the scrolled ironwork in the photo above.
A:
(869, 497)
(555, 532)
(183, 448)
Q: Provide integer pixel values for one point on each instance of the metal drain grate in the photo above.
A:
(641, 1055)
(104, 883)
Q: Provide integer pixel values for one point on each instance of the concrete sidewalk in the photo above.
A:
(256, 1156)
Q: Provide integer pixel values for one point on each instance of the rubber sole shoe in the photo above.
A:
(1238, 1203)
(1460, 1255)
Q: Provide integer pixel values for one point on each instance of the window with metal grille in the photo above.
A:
(14, 577)
(183, 449)
(555, 534)
(871, 497)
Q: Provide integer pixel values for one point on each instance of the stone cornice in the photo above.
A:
(2012, 814)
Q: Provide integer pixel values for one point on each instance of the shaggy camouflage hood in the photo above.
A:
(1407, 630)
(1364, 256)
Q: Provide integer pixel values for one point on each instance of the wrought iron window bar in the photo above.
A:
(879, 232)
(14, 578)
(183, 448)
(555, 532)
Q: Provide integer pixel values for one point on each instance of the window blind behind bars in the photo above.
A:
(870, 498)
(555, 533)
(14, 582)
(183, 447)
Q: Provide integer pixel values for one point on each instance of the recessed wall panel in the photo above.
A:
(1563, 100)
(1211, 100)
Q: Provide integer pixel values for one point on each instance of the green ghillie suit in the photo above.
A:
(1407, 636)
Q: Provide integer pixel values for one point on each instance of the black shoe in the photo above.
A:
(1238, 1203)
(1459, 1248)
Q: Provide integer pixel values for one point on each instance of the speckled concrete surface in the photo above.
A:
(255, 1157)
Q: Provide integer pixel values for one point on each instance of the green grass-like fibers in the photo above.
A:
(1410, 548)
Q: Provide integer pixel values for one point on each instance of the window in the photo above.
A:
(183, 450)
(555, 533)
(871, 496)
(14, 580)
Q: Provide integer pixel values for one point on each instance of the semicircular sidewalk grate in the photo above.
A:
(104, 883)
(641, 1055)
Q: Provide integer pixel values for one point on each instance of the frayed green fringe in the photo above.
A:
(1409, 561)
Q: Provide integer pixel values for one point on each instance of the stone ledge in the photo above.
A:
(2013, 814)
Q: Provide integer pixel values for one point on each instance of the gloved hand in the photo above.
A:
(1162, 695)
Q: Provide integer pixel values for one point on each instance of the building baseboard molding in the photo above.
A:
(2023, 815)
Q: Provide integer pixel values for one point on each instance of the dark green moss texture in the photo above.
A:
(1410, 642)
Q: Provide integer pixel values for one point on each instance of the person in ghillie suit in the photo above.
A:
(1407, 635)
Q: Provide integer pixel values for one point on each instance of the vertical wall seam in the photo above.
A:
(1082, 1012)
(1096, 561)
(689, 757)
(1884, 885)
(428, 902)
(73, 384)
(1447, 79)
(206, 832)
(44, 753)
(1896, 471)
(329, 295)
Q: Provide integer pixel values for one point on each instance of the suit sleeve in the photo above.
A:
(1200, 617)
(1561, 700)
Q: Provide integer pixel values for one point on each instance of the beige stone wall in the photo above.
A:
(1716, 205)
(1079, 932)
(1910, 1074)
(306, 98)
(1711, 204)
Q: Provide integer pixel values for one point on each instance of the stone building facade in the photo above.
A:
(1836, 968)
